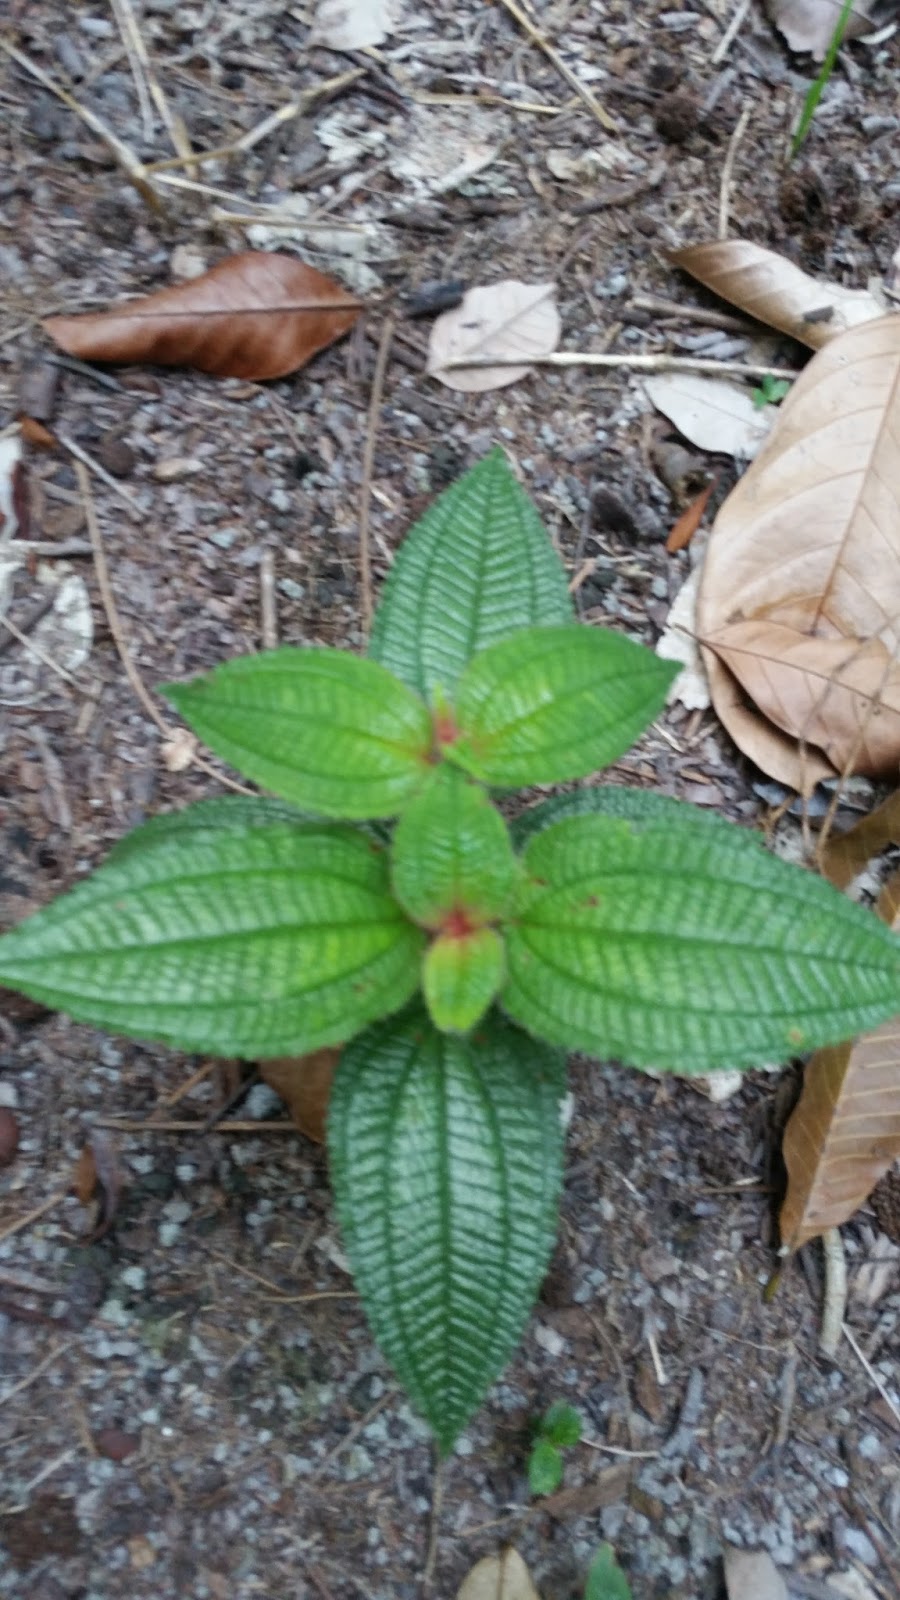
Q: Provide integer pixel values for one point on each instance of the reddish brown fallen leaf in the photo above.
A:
(34, 433)
(844, 1134)
(304, 1083)
(256, 315)
(99, 1177)
(116, 1445)
(684, 529)
(846, 854)
(799, 602)
(9, 1137)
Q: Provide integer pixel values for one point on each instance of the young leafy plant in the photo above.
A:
(606, 1580)
(456, 958)
(558, 1429)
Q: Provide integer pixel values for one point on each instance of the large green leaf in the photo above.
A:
(554, 703)
(452, 853)
(477, 566)
(461, 975)
(688, 948)
(245, 941)
(446, 1160)
(643, 807)
(208, 816)
(322, 728)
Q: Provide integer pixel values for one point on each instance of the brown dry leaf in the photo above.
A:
(846, 854)
(98, 1177)
(504, 322)
(503, 1577)
(712, 413)
(684, 529)
(304, 1083)
(799, 605)
(844, 1133)
(255, 315)
(810, 24)
(771, 288)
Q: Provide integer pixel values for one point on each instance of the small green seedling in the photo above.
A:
(769, 391)
(606, 1580)
(816, 89)
(383, 902)
(558, 1429)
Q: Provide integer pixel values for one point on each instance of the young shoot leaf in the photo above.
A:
(606, 1580)
(545, 1467)
(242, 941)
(461, 974)
(445, 1154)
(452, 855)
(686, 948)
(476, 567)
(561, 1424)
(322, 728)
(555, 703)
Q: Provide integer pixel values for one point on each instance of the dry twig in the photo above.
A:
(835, 1300)
(728, 170)
(365, 498)
(543, 43)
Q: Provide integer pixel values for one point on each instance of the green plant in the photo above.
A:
(557, 1430)
(769, 391)
(606, 1580)
(608, 920)
(816, 88)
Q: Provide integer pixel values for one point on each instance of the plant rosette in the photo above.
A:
(455, 958)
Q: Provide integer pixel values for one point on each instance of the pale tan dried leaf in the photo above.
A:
(800, 596)
(304, 1083)
(776, 291)
(678, 642)
(752, 1575)
(255, 315)
(503, 1577)
(844, 1133)
(810, 24)
(502, 322)
(711, 412)
(352, 24)
(846, 854)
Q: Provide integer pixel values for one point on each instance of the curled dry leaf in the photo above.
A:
(711, 412)
(508, 322)
(304, 1083)
(682, 531)
(256, 315)
(503, 1577)
(98, 1177)
(846, 854)
(844, 1133)
(799, 605)
(775, 291)
(810, 24)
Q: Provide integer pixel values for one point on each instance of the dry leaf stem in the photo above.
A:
(365, 498)
(638, 363)
(728, 170)
(835, 1301)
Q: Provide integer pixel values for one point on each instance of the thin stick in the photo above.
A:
(731, 32)
(365, 499)
(190, 1083)
(37, 1372)
(434, 1527)
(104, 476)
(33, 1216)
(128, 161)
(866, 1364)
(728, 170)
(835, 1301)
(538, 38)
(286, 113)
(267, 605)
(128, 28)
(637, 363)
(40, 655)
(115, 627)
(672, 308)
(40, 1477)
(134, 43)
(150, 1125)
(55, 547)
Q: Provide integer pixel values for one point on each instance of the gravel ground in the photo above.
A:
(191, 1404)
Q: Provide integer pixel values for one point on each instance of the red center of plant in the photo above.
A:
(445, 729)
(457, 924)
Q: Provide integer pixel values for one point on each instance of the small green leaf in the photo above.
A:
(689, 948)
(452, 852)
(445, 1154)
(255, 940)
(606, 1580)
(545, 1467)
(461, 975)
(561, 1424)
(555, 703)
(639, 806)
(322, 728)
(476, 567)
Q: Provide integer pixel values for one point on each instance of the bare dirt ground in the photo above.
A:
(192, 1405)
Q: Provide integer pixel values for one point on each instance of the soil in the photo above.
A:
(191, 1402)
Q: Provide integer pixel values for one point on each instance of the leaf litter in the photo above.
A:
(713, 413)
(257, 315)
(808, 25)
(501, 322)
